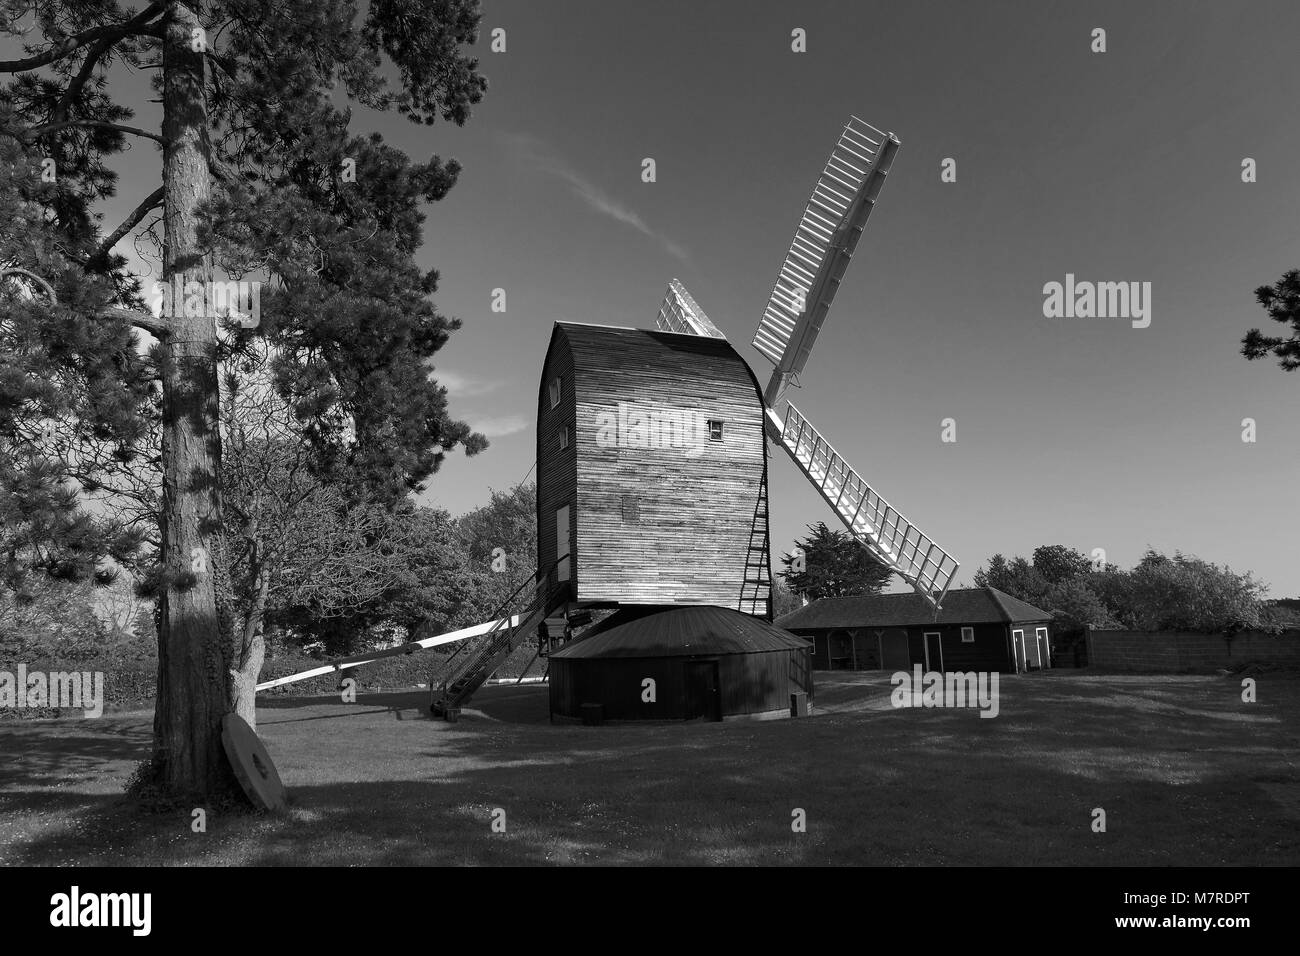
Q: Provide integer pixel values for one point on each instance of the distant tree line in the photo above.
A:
(1160, 593)
(314, 568)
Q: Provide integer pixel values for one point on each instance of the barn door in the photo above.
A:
(562, 542)
(893, 651)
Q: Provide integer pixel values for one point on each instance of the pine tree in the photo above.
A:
(1281, 301)
(260, 179)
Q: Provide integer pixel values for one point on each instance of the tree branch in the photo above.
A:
(152, 201)
(15, 271)
(38, 131)
(112, 32)
(153, 324)
(79, 81)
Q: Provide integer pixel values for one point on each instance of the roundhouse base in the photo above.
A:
(679, 664)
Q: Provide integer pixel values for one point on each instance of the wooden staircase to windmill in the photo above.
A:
(477, 658)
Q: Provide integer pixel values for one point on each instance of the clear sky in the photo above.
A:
(1115, 166)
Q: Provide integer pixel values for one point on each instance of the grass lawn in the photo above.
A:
(1186, 772)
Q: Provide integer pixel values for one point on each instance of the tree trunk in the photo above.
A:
(194, 648)
(245, 678)
(251, 656)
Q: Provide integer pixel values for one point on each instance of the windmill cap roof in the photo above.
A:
(679, 632)
(595, 342)
(960, 606)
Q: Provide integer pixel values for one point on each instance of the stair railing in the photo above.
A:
(546, 586)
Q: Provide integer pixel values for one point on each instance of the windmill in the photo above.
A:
(823, 245)
(652, 484)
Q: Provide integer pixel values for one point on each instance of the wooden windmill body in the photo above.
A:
(651, 470)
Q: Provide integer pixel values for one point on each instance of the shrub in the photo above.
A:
(48, 617)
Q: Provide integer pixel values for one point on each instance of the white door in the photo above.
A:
(933, 651)
(562, 542)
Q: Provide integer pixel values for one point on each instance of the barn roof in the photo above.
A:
(679, 632)
(960, 606)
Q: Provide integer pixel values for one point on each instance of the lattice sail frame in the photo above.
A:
(890, 537)
(823, 244)
(681, 313)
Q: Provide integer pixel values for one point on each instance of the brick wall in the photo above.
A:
(1188, 651)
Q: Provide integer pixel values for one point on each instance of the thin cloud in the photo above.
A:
(499, 426)
(533, 151)
(465, 386)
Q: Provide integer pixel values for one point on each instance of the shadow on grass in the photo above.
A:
(63, 751)
(889, 787)
(399, 704)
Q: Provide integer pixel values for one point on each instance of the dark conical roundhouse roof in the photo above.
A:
(679, 632)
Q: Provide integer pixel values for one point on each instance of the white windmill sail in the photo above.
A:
(810, 276)
(681, 313)
(823, 244)
(892, 539)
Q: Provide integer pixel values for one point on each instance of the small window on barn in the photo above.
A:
(631, 509)
(564, 437)
(715, 429)
(555, 393)
(968, 635)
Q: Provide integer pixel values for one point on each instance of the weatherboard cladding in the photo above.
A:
(650, 525)
(867, 647)
(557, 468)
(960, 606)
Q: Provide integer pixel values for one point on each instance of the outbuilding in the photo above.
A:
(680, 663)
(978, 629)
